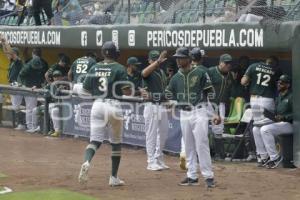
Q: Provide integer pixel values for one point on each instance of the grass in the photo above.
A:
(52, 194)
(2, 175)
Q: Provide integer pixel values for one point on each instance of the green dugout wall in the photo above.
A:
(283, 39)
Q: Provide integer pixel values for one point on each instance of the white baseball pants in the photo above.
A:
(156, 130)
(31, 103)
(219, 129)
(258, 104)
(265, 138)
(16, 101)
(194, 127)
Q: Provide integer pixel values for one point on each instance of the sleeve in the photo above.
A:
(170, 90)
(248, 72)
(208, 89)
(23, 73)
(289, 116)
(88, 81)
(123, 77)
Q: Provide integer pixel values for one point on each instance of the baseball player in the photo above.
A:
(14, 69)
(133, 74)
(265, 136)
(222, 81)
(156, 117)
(32, 76)
(106, 114)
(79, 69)
(187, 87)
(262, 79)
(62, 65)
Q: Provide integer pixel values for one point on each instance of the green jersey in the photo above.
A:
(14, 70)
(156, 84)
(262, 79)
(80, 67)
(102, 77)
(136, 79)
(30, 76)
(222, 84)
(188, 87)
(284, 106)
(201, 67)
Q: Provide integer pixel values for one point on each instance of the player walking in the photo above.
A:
(187, 87)
(106, 114)
(262, 78)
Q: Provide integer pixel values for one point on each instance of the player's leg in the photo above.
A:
(260, 147)
(182, 158)
(163, 128)
(258, 104)
(268, 133)
(16, 101)
(200, 132)
(116, 124)
(31, 103)
(54, 115)
(190, 149)
(218, 130)
(151, 126)
(97, 135)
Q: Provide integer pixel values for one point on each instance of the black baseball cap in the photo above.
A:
(153, 55)
(285, 78)
(196, 53)
(133, 61)
(182, 52)
(225, 58)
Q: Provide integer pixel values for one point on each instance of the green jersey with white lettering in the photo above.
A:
(80, 68)
(188, 87)
(262, 79)
(106, 79)
(156, 84)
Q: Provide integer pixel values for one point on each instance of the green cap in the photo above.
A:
(133, 61)
(153, 55)
(225, 58)
(285, 78)
(57, 73)
(36, 63)
(15, 50)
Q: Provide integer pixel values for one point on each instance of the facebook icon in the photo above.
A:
(83, 38)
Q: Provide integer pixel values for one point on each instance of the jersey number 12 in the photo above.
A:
(263, 80)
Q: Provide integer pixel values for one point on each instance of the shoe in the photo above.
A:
(20, 127)
(50, 132)
(210, 183)
(182, 163)
(83, 174)
(115, 181)
(37, 129)
(189, 182)
(272, 164)
(30, 131)
(154, 167)
(263, 162)
(162, 165)
(55, 134)
(250, 158)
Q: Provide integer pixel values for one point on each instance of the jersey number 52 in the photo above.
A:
(81, 68)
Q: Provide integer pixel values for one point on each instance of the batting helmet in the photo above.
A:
(109, 49)
(196, 53)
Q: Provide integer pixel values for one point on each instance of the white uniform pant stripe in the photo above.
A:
(194, 126)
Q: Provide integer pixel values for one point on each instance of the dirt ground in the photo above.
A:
(34, 162)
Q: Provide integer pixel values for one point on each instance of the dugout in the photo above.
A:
(254, 40)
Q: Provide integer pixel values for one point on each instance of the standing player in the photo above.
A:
(133, 74)
(187, 87)
(196, 56)
(156, 117)
(106, 114)
(79, 69)
(262, 79)
(62, 66)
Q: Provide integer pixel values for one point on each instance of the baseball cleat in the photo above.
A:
(55, 134)
(210, 183)
(154, 167)
(162, 164)
(182, 163)
(115, 181)
(189, 182)
(20, 127)
(83, 174)
(274, 163)
(263, 162)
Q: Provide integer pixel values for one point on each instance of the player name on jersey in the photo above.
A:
(101, 74)
(262, 68)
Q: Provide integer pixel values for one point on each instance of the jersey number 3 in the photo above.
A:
(103, 84)
(263, 80)
(81, 68)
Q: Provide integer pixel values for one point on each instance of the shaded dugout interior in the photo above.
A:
(282, 41)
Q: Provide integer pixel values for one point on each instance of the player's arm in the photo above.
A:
(247, 76)
(70, 75)
(150, 68)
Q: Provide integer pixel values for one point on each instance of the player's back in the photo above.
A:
(102, 79)
(80, 68)
(262, 79)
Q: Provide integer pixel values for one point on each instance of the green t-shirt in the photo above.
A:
(30, 76)
(101, 78)
(14, 70)
(80, 68)
(284, 106)
(262, 79)
(156, 84)
(222, 84)
(187, 88)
